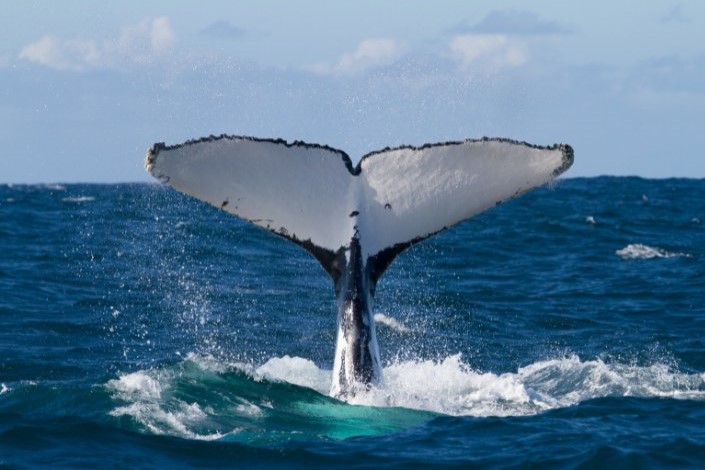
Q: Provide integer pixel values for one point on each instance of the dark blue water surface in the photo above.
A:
(142, 329)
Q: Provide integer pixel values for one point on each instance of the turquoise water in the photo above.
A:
(142, 329)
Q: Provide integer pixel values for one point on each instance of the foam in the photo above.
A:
(639, 251)
(452, 387)
(137, 386)
(53, 187)
(78, 199)
(449, 386)
(295, 370)
(146, 399)
(249, 409)
(163, 422)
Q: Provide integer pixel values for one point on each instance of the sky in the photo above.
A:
(87, 87)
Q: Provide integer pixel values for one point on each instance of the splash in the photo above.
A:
(295, 370)
(451, 387)
(202, 398)
(392, 323)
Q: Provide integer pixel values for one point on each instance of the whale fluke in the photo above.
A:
(355, 219)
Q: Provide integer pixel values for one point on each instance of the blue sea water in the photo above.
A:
(142, 329)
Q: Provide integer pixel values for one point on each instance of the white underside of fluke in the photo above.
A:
(394, 196)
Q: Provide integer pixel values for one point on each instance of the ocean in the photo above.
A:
(564, 329)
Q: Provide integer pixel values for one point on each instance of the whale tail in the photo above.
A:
(354, 220)
(313, 196)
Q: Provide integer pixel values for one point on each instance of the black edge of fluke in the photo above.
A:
(151, 159)
(151, 156)
(159, 146)
(565, 148)
(354, 170)
(568, 157)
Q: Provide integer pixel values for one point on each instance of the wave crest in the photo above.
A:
(639, 251)
(202, 398)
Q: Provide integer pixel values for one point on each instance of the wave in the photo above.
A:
(78, 199)
(639, 251)
(203, 399)
(451, 387)
(53, 187)
(287, 397)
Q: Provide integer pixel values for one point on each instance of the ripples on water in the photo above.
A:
(565, 327)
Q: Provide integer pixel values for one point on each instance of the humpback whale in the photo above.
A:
(354, 219)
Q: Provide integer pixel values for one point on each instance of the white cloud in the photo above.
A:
(141, 43)
(161, 34)
(484, 53)
(62, 55)
(369, 53)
